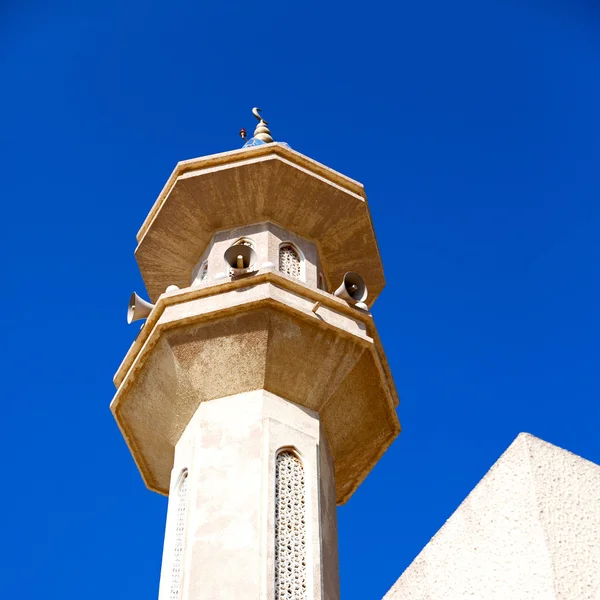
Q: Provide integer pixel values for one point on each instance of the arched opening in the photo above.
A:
(179, 535)
(200, 273)
(241, 257)
(290, 261)
(204, 271)
(290, 527)
(244, 242)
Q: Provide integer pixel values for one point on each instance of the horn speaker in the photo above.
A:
(240, 258)
(138, 308)
(353, 289)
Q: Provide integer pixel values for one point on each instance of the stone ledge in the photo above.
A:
(280, 280)
(266, 184)
(208, 343)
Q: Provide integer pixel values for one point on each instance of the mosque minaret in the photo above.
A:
(256, 395)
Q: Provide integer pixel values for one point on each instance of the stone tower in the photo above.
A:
(255, 397)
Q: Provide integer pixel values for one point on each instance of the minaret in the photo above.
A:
(257, 395)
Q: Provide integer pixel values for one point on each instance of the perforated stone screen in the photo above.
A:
(290, 528)
(289, 261)
(179, 539)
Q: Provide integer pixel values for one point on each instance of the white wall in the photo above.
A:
(530, 530)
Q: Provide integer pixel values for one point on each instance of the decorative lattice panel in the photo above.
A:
(289, 261)
(179, 539)
(290, 528)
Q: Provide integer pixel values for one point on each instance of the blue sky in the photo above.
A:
(474, 127)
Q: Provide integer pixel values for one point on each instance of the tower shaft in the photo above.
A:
(252, 502)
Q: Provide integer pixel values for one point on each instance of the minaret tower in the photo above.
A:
(257, 395)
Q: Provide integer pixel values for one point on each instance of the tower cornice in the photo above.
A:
(266, 183)
(238, 156)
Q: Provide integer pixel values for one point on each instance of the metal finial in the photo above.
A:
(261, 132)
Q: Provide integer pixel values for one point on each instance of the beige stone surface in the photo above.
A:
(266, 239)
(265, 183)
(529, 530)
(202, 344)
(229, 449)
(230, 368)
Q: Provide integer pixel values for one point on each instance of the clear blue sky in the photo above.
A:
(474, 126)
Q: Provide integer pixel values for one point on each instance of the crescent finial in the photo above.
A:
(256, 112)
(261, 132)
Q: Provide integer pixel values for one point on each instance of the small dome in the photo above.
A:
(256, 142)
(253, 142)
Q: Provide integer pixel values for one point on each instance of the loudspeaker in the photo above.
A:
(353, 289)
(240, 258)
(138, 308)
